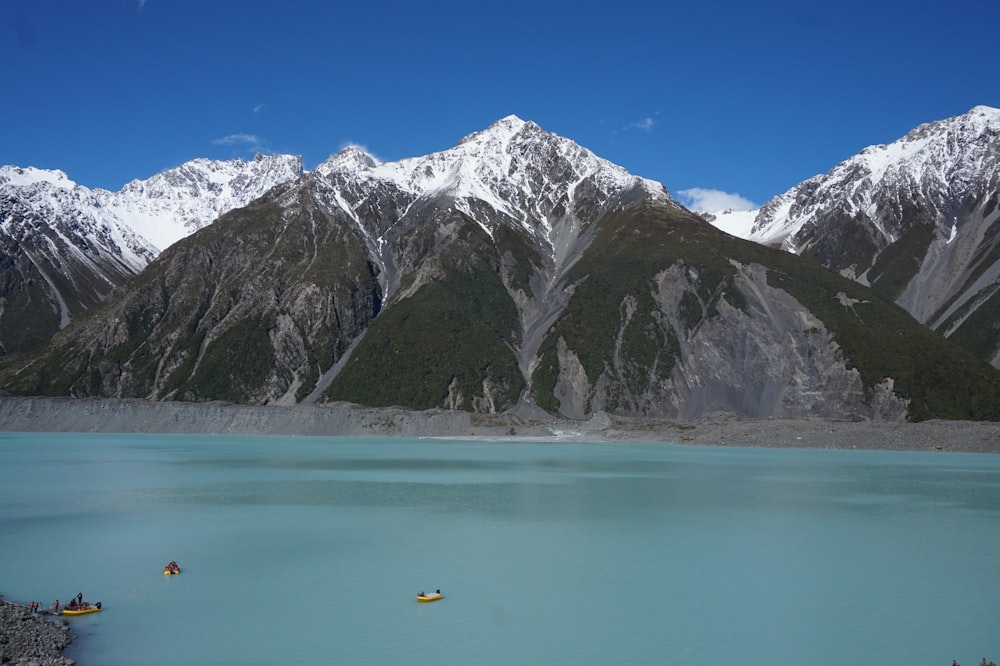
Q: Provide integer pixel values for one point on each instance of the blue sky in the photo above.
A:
(744, 97)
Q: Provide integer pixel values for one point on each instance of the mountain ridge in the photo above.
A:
(516, 271)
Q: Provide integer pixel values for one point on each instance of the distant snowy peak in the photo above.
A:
(174, 203)
(145, 216)
(35, 203)
(937, 159)
(30, 176)
(195, 178)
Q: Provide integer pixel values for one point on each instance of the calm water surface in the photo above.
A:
(311, 550)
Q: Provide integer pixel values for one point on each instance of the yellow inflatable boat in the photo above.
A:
(433, 596)
(83, 610)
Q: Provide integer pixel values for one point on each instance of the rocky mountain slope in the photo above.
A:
(516, 270)
(65, 247)
(918, 220)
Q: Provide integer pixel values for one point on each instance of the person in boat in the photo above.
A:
(79, 599)
(438, 592)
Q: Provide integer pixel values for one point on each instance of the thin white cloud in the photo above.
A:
(646, 124)
(249, 141)
(258, 108)
(711, 201)
(142, 3)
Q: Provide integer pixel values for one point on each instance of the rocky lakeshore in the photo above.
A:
(32, 639)
(19, 414)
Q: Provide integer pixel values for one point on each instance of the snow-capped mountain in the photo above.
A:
(68, 246)
(512, 173)
(916, 219)
(515, 270)
(177, 202)
(50, 198)
(521, 172)
(514, 166)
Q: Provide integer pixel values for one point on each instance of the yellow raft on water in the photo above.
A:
(83, 610)
(433, 596)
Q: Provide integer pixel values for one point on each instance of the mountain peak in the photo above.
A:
(509, 122)
(351, 159)
(510, 119)
(501, 131)
(983, 118)
(983, 110)
(513, 124)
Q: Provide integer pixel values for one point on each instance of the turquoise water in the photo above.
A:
(311, 550)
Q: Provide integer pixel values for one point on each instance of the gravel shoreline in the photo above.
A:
(32, 638)
(342, 419)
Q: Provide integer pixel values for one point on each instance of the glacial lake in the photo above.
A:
(300, 550)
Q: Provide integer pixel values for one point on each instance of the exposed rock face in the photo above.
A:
(784, 362)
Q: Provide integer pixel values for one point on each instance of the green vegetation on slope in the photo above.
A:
(234, 365)
(456, 329)
(897, 265)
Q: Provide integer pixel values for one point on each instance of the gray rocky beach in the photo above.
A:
(717, 429)
(32, 638)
